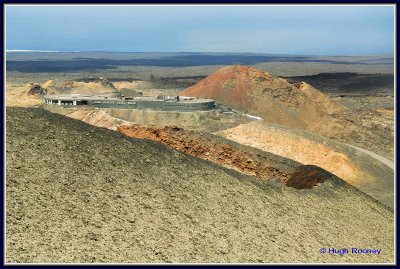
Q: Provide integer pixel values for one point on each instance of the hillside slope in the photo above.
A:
(275, 100)
(77, 193)
(355, 167)
(297, 105)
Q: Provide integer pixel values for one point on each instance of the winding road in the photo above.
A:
(375, 156)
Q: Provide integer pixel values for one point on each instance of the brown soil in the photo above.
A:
(80, 194)
(299, 148)
(298, 106)
(251, 154)
(17, 95)
(95, 117)
(209, 147)
(355, 167)
(306, 177)
(274, 99)
(31, 94)
(217, 150)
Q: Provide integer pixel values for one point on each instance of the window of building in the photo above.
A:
(82, 102)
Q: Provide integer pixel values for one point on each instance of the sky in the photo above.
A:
(306, 30)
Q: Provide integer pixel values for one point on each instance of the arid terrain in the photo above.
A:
(77, 193)
(297, 156)
(366, 172)
(358, 168)
(297, 105)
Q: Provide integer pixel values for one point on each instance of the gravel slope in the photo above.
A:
(361, 169)
(77, 193)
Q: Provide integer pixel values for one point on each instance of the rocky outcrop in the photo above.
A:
(36, 89)
(217, 150)
(105, 82)
(307, 177)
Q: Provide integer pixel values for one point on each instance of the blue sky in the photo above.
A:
(312, 30)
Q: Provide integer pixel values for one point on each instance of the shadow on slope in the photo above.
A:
(77, 193)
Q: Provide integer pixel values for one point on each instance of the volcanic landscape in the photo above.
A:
(296, 156)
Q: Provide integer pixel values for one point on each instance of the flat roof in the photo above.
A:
(79, 96)
(183, 99)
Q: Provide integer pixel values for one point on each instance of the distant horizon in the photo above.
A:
(197, 52)
(315, 30)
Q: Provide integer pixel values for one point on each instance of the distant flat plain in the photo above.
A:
(24, 67)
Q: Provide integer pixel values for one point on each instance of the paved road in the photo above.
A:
(376, 156)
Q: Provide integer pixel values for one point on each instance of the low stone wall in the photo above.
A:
(63, 110)
(210, 121)
(190, 120)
